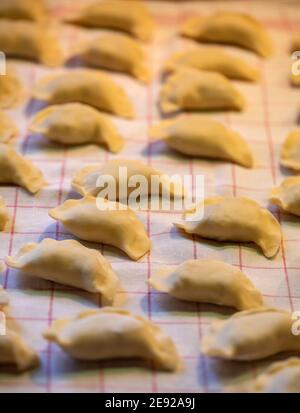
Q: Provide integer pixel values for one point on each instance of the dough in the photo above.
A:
(114, 334)
(234, 219)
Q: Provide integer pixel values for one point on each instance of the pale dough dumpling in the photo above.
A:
(29, 40)
(287, 195)
(8, 129)
(230, 28)
(117, 52)
(252, 335)
(234, 219)
(4, 217)
(70, 263)
(111, 224)
(11, 91)
(191, 89)
(84, 86)
(32, 10)
(4, 300)
(76, 124)
(109, 333)
(16, 169)
(199, 136)
(87, 180)
(208, 281)
(215, 60)
(14, 351)
(128, 16)
(290, 151)
(280, 377)
(295, 77)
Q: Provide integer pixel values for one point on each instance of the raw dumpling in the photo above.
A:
(70, 263)
(290, 151)
(280, 377)
(296, 42)
(234, 219)
(117, 52)
(193, 89)
(4, 217)
(28, 40)
(11, 91)
(85, 86)
(114, 334)
(87, 180)
(75, 124)
(295, 80)
(213, 59)
(112, 224)
(252, 335)
(22, 9)
(209, 281)
(8, 129)
(230, 28)
(203, 137)
(16, 169)
(4, 300)
(14, 351)
(287, 195)
(128, 16)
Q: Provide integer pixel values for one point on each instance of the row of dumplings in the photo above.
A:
(251, 334)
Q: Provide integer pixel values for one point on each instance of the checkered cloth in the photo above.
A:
(271, 113)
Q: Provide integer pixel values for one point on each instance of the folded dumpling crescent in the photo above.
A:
(14, 351)
(117, 52)
(8, 129)
(84, 86)
(108, 334)
(296, 42)
(252, 335)
(32, 41)
(280, 377)
(295, 80)
(213, 59)
(127, 15)
(70, 263)
(18, 170)
(98, 220)
(4, 300)
(208, 281)
(76, 124)
(234, 219)
(199, 136)
(123, 172)
(191, 89)
(234, 28)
